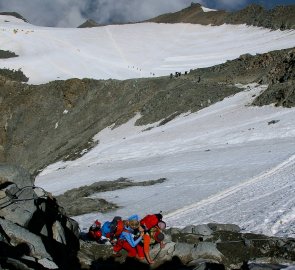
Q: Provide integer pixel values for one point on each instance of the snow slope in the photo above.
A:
(225, 163)
(129, 51)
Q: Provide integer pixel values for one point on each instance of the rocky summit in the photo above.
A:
(281, 17)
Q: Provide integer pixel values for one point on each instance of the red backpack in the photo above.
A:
(119, 228)
(150, 221)
(94, 231)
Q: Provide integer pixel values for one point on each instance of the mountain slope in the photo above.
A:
(228, 148)
(63, 116)
(197, 130)
(129, 51)
(281, 17)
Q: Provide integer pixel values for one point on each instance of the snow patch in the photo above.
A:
(205, 9)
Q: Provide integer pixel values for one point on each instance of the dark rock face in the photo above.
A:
(45, 123)
(35, 233)
(282, 94)
(281, 77)
(7, 54)
(281, 17)
(14, 75)
(14, 14)
(193, 14)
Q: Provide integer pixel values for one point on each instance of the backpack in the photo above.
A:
(150, 221)
(95, 235)
(94, 231)
(117, 226)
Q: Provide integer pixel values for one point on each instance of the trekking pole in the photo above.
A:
(157, 254)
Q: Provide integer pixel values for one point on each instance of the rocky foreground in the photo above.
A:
(36, 233)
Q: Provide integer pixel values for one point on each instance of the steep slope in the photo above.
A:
(62, 117)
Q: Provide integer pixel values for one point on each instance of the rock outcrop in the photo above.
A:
(14, 14)
(35, 233)
(281, 17)
(88, 24)
(206, 246)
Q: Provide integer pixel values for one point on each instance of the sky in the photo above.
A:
(72, 13)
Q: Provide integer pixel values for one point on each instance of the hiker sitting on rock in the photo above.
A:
(127, 239)
(153, 226)
(94, 232)
(112, 229)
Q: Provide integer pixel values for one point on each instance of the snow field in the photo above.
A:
(221, 164)
(129, 51)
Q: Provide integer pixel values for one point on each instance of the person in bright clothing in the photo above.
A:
(153, 226)
(128, 241)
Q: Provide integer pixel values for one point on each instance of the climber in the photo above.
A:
(95, 232)
(153, 226)
(127, 239)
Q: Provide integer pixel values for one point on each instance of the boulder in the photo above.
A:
(19, 235)
(17, 194)
(224, 227)
(32, 224)
(208, 251)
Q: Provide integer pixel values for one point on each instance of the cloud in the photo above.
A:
(133, 10)
(71, 13)
(47, 12)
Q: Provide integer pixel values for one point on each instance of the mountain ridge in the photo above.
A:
(281, 17)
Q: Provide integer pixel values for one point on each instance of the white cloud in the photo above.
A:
(47, 13)
(72, 13)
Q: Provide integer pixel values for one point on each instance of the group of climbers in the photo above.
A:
(134, 235)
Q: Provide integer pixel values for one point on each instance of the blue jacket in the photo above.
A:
(106, 228)
(127, 235)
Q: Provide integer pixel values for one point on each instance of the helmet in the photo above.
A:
(97, 223)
